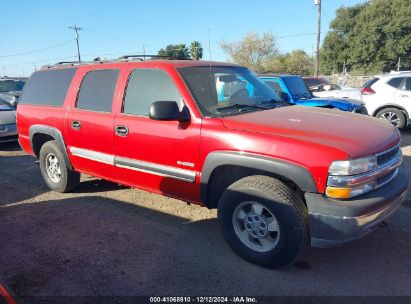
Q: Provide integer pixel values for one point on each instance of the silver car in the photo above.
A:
(8, 129)
(10, 89)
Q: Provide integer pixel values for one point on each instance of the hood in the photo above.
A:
(10, 96)
(7, 117)
(355, 134)
(333, 100)
(345, 104)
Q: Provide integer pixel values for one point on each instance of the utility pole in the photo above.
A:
(317, 59)
(77, 29)
(399, 64)
(209, 43)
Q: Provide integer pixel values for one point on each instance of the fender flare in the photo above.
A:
(56, 134)
(297, 174)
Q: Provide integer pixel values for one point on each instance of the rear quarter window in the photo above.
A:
(48, 88)
(370, 82)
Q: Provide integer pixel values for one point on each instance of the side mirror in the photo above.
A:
(168, 110)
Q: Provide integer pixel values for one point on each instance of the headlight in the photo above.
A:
(353, 167)
(2, 127)
(350, 178)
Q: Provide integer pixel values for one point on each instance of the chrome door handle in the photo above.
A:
(121, 130)
(76, 125)
(404, 96)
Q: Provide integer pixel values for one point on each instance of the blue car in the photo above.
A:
(292, 88)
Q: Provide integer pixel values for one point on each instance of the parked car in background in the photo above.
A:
(337, 91)
(10, 90)
(314, 83)
(8, 130)
(293, 89)
(389, 97)
(281, 177)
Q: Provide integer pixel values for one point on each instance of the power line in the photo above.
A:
(38, 50)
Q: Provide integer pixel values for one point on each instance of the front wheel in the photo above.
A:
(56, 174)
(263, 220)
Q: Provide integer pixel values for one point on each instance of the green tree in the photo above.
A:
(253, 51)
(369, 37)
(196, 50)
(298, 62)
(179, 51)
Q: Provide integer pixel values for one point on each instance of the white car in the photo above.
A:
(389, 97)
(338, 91)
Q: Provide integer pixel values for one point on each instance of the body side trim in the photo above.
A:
(161, 170)
(137, 165)
(93, 155)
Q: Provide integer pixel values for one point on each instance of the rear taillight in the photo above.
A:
(367, 91)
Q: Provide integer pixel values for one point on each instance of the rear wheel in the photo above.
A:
(393, 116)
(263, 220)
(56, 174)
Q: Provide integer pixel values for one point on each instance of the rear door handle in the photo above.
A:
(76, 125)
(121, 131)
(404, 95)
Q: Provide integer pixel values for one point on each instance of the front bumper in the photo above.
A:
(335, 222)
(8, 133)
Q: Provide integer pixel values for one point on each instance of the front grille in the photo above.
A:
(386, 178)
(386, 156)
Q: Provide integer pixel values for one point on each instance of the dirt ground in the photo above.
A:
(108, 240)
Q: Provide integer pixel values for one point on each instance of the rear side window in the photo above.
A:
(146, 86)
(97, 91)
(395, 82)
(47, 88)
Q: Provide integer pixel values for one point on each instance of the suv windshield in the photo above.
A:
(297, 87)
(4, 106)
(11, 85)
(226, 90)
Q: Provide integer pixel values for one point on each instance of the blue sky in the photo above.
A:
(113, 28)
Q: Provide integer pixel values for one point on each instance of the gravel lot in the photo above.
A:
(109, 240)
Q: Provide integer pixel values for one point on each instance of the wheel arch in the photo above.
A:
(40, 134)
(221, 169)
(395, 106)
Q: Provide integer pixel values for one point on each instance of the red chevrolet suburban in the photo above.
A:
(281, 176)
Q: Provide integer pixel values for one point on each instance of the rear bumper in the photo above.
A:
(335, 222)
(9, 133)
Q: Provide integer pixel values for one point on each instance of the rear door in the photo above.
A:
(89, 123)
(160, 156)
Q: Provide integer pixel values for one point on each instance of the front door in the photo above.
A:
(159, 156)
(403, 95)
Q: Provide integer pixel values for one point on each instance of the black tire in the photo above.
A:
(282, 202)
(400, 117)
(68, 180)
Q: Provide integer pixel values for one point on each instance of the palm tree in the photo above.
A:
(196, 50)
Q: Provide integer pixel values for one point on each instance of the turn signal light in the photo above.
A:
(334, 192)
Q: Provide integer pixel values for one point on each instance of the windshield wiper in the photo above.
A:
(242, 107)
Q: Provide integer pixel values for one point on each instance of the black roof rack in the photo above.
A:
(144, 56)
(141, 57)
